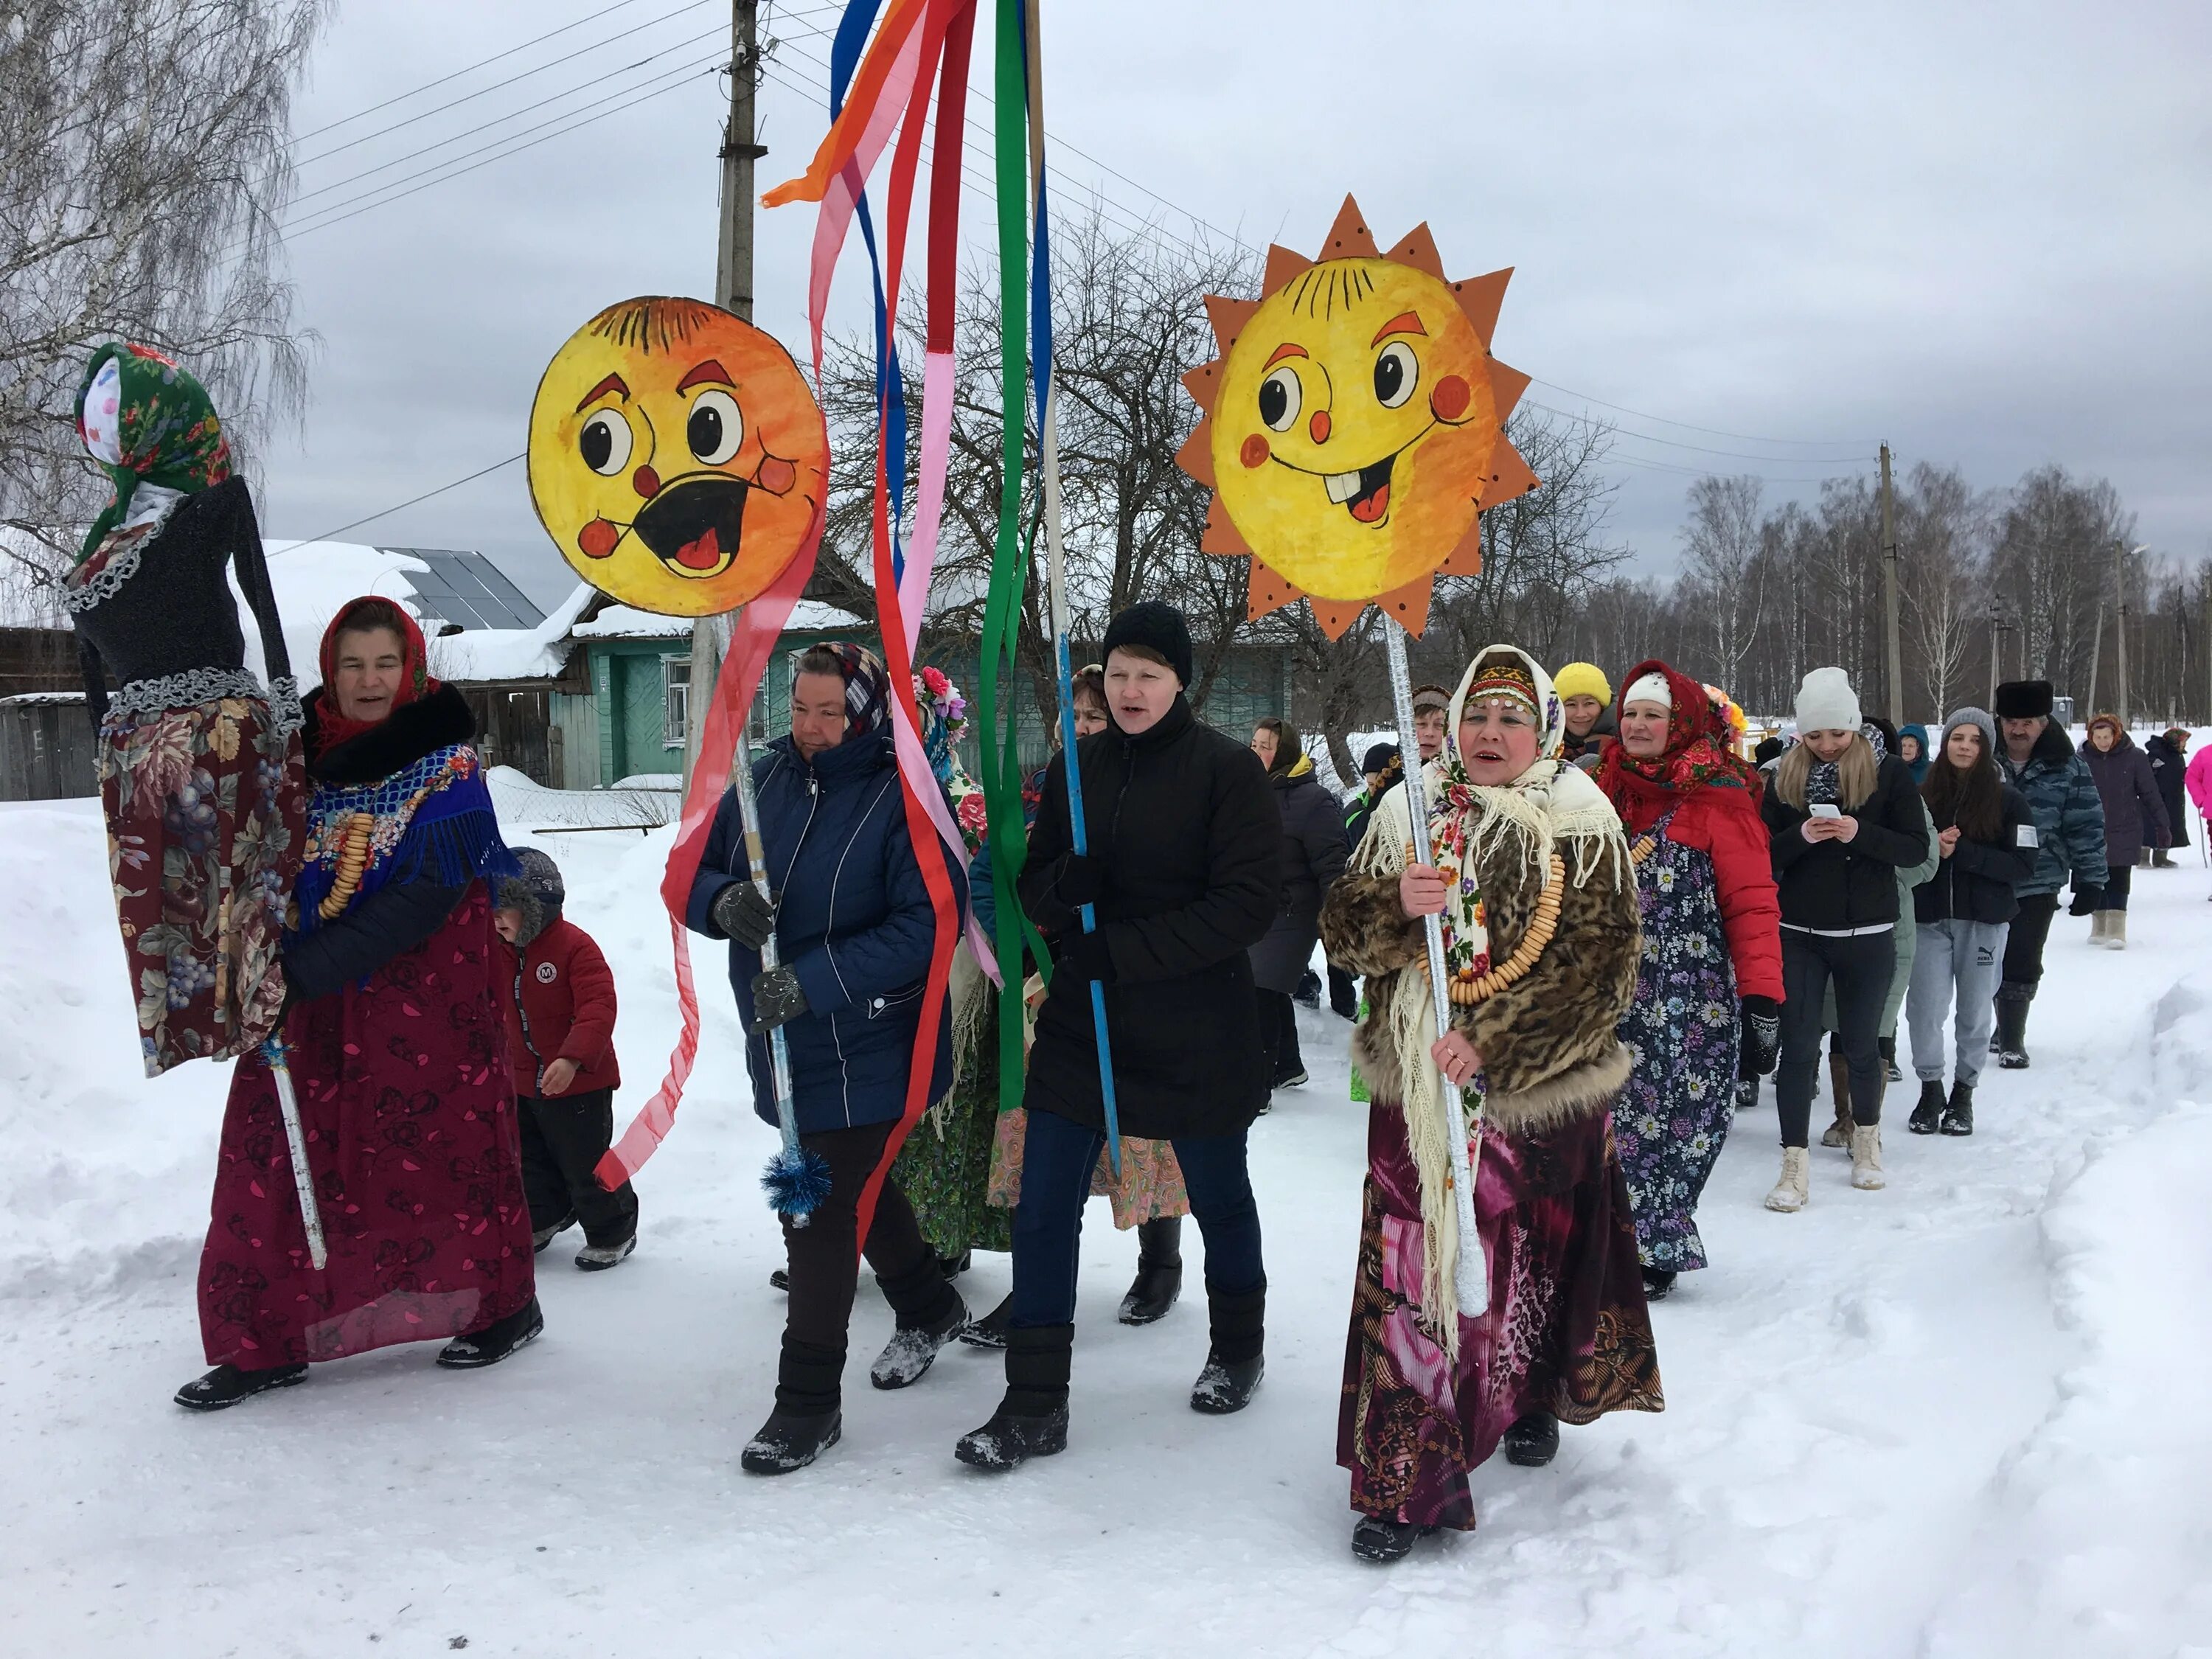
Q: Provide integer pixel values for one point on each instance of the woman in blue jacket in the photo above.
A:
(854, 928)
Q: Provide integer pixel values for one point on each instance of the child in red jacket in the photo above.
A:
(560, 1034)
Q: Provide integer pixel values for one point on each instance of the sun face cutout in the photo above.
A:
(1354, 427)
(677, 457)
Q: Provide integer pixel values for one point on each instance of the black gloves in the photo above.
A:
(777, 999)
(2086, 900)
(741, 911)
(1082, 879)
(1762, 1037)
(1085, 955)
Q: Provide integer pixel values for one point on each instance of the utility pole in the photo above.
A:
(2096, 647)
(1992, 702)
(733, 292)
(2120, 582)
(1889, 596)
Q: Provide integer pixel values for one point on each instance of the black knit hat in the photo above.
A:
(1158, 626)
(1380, 757)
(2023, 700)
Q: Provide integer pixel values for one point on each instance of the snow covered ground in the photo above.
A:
(1968, 1416)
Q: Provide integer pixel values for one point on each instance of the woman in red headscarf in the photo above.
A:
(1709, 978)
(397, 1050)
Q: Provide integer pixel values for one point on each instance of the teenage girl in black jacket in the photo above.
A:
(1844, 819)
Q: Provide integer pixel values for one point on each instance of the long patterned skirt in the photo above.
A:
(1566, 1331)
(416, 1151)
(204, 808)
(1674, 1114)
(945, 1167)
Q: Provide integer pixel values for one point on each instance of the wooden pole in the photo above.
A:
(733, 292)
(2120, 582)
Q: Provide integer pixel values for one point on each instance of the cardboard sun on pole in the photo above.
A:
(1354, 427)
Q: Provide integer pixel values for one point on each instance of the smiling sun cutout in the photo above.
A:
(677, 457)
(1354, 427)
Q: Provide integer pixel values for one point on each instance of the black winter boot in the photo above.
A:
(1958, 1110)
(1658, 1284)
(1923, 1121)
(990, 1331)
(473, 1350)
(226, 1385)
(1378, 1539)
(1159, 1272)
(2013, 999)
(1234, 1362)
(1533, 1441)
(1031, 1420)
(807, 1420)
(930, 1314)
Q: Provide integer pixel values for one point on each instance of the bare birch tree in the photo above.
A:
(144, 157)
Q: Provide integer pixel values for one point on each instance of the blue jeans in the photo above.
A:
(1057, 1159)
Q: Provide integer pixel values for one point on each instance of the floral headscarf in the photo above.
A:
(146, 422)
(1700, 752)
(332, 728)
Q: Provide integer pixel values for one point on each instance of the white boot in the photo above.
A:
(2097, 928)
(2116, 930)
(1866, 1157)
(1790, 1192)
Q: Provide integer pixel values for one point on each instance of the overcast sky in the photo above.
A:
(1982, 233)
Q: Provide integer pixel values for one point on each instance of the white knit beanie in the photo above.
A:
(1825, 703)
(1651, 688)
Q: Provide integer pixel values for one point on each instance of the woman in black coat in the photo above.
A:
(1314, 852)
(1182, 875)
(2135, 819)
(1844, 819)
(2168, 754)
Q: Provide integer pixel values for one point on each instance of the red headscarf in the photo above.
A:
(1697, 757)
(333, 728)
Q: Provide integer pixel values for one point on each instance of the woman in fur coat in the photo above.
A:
(1709, 983)
(1428, 1393)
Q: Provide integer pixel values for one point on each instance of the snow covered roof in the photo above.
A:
(623, 622)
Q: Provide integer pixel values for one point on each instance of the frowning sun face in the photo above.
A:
(1354, 426)
(676, 457)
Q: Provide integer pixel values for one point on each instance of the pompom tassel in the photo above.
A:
(796, 1182)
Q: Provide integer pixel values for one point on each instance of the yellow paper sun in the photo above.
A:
(1354, 427)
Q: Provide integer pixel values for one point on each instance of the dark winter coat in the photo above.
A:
(2169, 764)
(1314, 852)
(1192, 842)
(2135, 812)
(1832, 885)
(560, 1007)
(2070, 816)
(1586, 750)
(853, 921)
(1981, 879)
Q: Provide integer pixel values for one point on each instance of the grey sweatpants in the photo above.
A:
(1964, 959)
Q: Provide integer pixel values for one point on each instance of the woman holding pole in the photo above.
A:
(1537, 898)
(397, 1049)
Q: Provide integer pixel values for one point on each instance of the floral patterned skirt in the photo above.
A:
(945, 1167)
(1566, 1331)
(204, 808)
(416, 1156)
(1149, 1187)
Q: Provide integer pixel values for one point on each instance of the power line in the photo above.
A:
(482, 92)
(387, 511)
(1739, 454)
(500, 120)
(469, 69)
(1711, 431)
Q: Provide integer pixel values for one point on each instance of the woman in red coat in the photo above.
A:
(1709, 980)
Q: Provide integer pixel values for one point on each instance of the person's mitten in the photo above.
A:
(1085, 955)
(1762, 1037)
(743, 912)
(2086, 901)
(777, 999)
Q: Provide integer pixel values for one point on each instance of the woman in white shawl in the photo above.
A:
(1533, 884)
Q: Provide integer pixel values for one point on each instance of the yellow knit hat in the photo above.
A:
(1583, 679)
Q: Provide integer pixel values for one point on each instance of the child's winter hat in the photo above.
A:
(1583, 679)
(537, 892)
(1825, 703)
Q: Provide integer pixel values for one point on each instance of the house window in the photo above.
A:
(675, 701)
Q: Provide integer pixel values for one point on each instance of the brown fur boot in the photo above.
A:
(1838, 1134)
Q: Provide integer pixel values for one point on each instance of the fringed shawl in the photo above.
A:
(431, 820)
